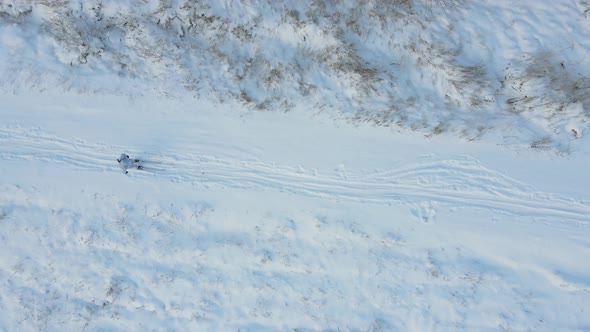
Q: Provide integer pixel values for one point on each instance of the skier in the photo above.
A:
(127, 163)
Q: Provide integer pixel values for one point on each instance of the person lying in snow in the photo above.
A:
(127, 163)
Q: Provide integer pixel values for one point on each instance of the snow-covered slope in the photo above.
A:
(338, 215)
(272, 222)
(514, 71)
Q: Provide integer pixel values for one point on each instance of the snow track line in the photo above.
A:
(461, 181)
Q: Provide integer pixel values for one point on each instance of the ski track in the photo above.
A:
(461, 181)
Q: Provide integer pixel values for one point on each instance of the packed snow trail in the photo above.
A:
(461, 181)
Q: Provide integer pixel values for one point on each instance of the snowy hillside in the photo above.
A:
(514, 71)
(308, 165)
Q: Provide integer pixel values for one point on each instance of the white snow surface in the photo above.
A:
(282, 189)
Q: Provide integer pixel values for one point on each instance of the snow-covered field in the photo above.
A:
(466, 207)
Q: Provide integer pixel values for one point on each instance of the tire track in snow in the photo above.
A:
(462, 181)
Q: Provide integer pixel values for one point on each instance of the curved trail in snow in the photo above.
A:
(461, 181)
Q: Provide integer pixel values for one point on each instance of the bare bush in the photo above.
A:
(559, 87)
(548, 88)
